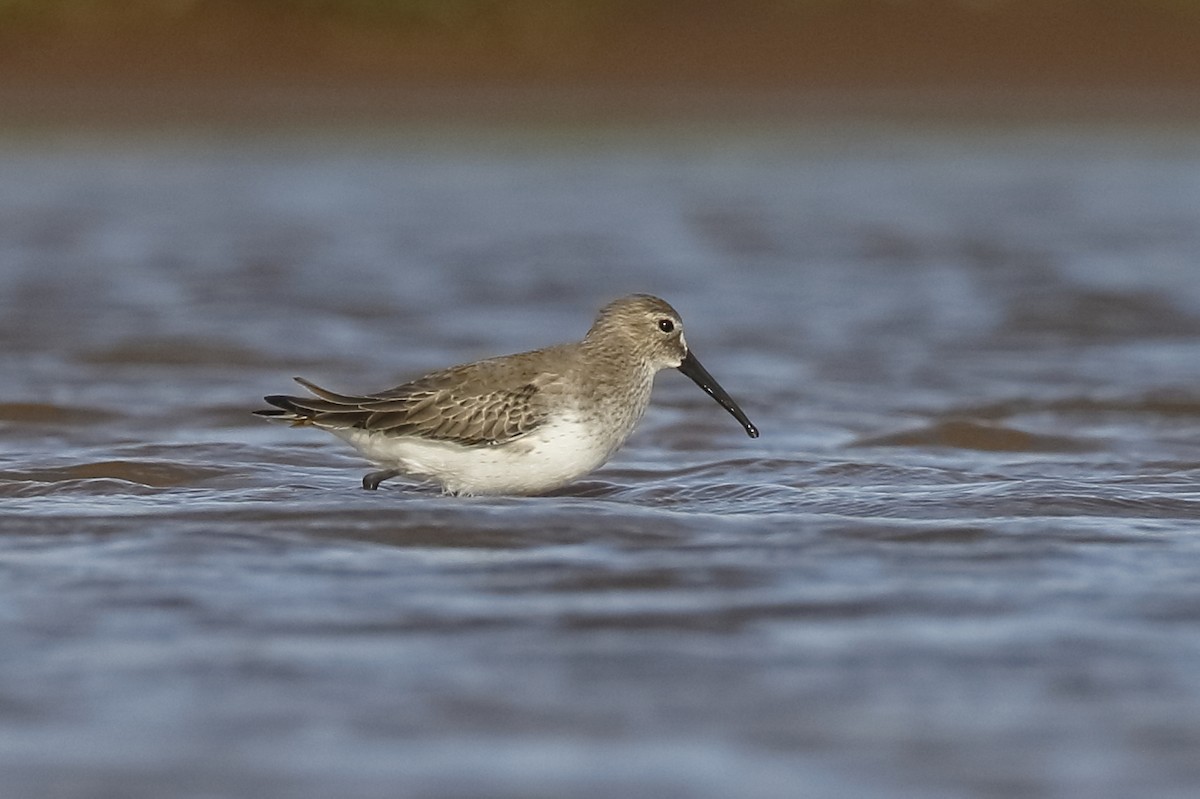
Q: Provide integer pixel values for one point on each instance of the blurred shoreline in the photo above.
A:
(296, 62)
(271, 106)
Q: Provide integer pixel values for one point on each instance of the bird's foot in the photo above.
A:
(372, 480)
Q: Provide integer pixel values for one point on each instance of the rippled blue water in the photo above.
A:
(962, 560)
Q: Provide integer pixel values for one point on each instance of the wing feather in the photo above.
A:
(484, 403)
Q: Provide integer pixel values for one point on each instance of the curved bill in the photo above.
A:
(700, 376)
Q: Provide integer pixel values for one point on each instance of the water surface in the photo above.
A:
(962, 559)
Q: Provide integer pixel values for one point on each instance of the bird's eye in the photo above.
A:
(666, 325)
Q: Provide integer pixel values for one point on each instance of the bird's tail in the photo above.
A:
(301, 411)
(286, 410)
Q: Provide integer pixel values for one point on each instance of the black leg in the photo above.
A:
(372, 480)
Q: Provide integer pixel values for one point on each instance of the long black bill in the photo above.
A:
(700, 376)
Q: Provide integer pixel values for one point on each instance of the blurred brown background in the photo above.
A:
(260, 59)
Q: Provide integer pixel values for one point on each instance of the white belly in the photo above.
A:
(545, 459)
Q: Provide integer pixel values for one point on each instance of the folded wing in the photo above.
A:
(473, 409)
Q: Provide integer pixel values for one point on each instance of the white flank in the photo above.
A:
(550, 456)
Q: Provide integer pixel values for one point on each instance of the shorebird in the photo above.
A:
(517, 424)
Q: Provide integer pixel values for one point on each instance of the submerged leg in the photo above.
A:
(372, 480)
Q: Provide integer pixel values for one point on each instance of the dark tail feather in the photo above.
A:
(282, 401)
(327, 409)
(286, 410)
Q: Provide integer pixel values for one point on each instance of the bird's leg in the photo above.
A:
(372, 480)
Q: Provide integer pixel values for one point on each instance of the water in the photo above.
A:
(962, 560)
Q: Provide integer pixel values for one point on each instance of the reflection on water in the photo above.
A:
(961, 560)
